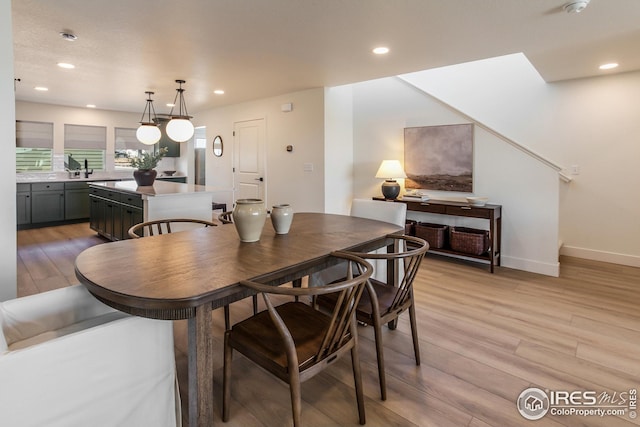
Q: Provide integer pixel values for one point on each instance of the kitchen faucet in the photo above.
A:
(87, 172)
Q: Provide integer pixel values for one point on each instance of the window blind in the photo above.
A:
(83, 137)
(126, 139)
(34, 134)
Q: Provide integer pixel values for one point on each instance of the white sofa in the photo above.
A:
(67, 359)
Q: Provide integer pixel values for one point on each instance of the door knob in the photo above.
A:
(259, 179)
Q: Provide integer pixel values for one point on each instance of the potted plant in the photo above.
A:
(145, 174)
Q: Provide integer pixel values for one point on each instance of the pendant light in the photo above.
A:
(148, 133)
(180, 128)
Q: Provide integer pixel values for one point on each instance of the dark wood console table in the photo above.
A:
(492, 213)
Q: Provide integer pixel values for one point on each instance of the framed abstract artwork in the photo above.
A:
(439, 157)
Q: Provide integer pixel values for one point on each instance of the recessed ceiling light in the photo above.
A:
(66, 65)
(171, 105)
(91, 106)
(41, 88)
(608, 66)
(218, 92)
(381, 50)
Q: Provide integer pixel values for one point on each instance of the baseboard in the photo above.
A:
(592, 254)
(548, 269)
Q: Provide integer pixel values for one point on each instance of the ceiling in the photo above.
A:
(259, 48)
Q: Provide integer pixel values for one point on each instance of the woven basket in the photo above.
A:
(469, 240)
(434, 234)
(410, 227)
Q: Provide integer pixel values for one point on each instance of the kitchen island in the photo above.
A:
(117, 205)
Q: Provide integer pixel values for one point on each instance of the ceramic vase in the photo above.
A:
(281, 218)
(248, 217)
(144, 177)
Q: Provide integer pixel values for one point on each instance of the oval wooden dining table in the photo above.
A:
(188, 274)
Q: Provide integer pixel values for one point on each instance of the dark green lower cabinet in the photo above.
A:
(130, 216)
(96, 214)
(76, 200)
(47, 203)
(41, 203)
(23, 202)
(76, 204)
(112, 213)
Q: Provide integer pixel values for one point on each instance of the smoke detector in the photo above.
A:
(68, 36)
(575, 6)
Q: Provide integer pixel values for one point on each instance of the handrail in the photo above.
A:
(563, 176)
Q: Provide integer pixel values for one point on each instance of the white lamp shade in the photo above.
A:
(148, 134)
(180, 130)
(390, 169)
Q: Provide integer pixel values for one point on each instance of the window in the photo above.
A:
(86, 145)
(34, 146)
(128, 147)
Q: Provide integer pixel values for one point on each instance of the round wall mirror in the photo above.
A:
(217, 146)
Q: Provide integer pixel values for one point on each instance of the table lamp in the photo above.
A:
(390, 170)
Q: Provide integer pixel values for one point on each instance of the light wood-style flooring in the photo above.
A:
(484, 338)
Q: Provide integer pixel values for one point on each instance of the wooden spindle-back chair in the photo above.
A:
(384, 301)
(164, 226)
(294, 341)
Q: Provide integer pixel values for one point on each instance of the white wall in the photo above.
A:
(589, 122)
(338, 149)
(286, 179)
(596, 123)
(60, 115)
(526, 189)
(8, 267)
(592, 123)
(505, 93)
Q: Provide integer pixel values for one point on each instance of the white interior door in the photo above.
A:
(249, 154)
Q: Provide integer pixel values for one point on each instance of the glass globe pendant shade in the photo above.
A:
(148, 134)
(180, 130)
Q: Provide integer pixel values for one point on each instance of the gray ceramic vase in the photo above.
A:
(248, 217)
(281, 218)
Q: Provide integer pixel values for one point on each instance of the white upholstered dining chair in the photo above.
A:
(67, 359)
(395, 213)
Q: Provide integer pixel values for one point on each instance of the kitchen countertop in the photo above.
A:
(64, 177)
(28, 178)
(159, 188)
